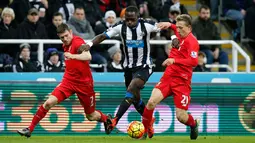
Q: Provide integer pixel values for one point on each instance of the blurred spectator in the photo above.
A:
(143, 8)
(52, 29)
(80, 25)
(115, 64)
(201, 63)
(213, 4)
(109, 21)
(54, 64)
(66, 7)
(234, 10)
(93, 12)
(204, 29)
(57, 19)
(249, 29)
(31, 28)
(21, 8)
(8, 31)
(169, 3)
(23, 62)
(199, 3)
(5, 63)
(174, 11)
(41, 5)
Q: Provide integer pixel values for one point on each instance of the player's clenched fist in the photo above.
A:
(68, 55)
(168, 62)
(175, 43)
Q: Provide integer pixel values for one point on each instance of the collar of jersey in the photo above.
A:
(136, 24)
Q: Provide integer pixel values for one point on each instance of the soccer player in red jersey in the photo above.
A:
(176, 80)
(77, 79)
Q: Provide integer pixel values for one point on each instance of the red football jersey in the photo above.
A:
(186, 57)
(76, 71)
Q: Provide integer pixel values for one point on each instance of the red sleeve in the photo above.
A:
(78, 42)
(192, 59)
(174, 28)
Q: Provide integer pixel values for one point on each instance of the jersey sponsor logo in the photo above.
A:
(135, 43)
(193, 54)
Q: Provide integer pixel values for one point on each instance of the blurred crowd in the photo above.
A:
(38, 19)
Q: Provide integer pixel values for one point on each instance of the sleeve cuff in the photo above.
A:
(173, 37)
(108, 37)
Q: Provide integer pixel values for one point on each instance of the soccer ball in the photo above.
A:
(135, 129)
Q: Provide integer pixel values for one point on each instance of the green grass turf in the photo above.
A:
(123, 139)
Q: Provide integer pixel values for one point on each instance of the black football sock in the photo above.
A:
(139, 106)
(125, 104)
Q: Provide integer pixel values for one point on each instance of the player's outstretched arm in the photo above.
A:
(84, 56)
(164, 25)
(96, 40)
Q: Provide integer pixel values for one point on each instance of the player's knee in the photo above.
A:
(151, 104)
(52, 101)
(132, 88)
(48, 104)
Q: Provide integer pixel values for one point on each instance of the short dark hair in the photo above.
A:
(204, 7)
(62, 28)
(186, 18)
(79, 7)
(57, 14)
(132, 9)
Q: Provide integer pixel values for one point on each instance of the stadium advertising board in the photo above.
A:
(224, 109)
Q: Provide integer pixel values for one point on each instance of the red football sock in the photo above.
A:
(191, 122)
(40, 114)
(147, 116)
(103, 117)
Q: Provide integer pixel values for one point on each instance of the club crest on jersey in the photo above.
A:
(193, 54)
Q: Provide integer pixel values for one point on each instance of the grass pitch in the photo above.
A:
(123, 139)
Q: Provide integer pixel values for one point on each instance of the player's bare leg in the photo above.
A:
(148, 120)
(132, 97)
(187, 119)
(100, 117)
(40, 114)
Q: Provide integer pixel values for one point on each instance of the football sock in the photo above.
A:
(103, 117)
(191, 122)
(147, 116)
(125, 104)
(40, 114)
(139, 106)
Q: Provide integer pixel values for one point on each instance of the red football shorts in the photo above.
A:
(178, 87)
(84, 92)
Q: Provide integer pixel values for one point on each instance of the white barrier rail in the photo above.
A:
(235, 47)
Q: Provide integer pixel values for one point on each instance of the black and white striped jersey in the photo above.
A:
(136, 46)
